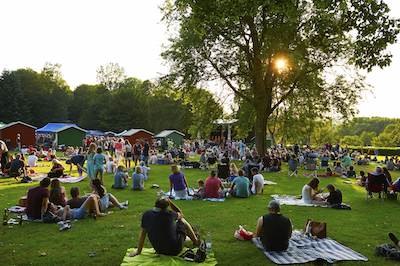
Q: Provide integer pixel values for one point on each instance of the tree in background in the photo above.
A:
(390, 137)
(263, 50)
(111, 75)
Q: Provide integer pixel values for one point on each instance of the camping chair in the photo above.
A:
(223, 171)
(375, 184)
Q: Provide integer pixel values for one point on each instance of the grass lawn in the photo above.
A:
(361, 229)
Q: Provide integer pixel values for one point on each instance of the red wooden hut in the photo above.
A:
(134, 135)
(8, 133)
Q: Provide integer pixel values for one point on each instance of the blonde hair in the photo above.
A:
(92, 148)
(234, 167)
(175, 169)
(138, 169)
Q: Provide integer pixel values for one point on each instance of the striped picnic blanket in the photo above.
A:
(303, 249)
(293, 200)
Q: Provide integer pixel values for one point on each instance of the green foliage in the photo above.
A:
(111, 75)
(389, 137)
(351, 140)
(358, 125)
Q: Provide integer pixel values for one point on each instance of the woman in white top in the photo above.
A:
(309, 193)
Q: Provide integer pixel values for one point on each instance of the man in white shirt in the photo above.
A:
(32, 160)
(258, 182)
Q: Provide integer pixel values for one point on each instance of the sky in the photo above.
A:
(81, 35)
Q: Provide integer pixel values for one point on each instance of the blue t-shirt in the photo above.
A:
(242, 187)
(138, 181)
(99, 160)
(178, 181)
(119, 181)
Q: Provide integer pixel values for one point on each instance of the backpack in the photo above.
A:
(389, 251)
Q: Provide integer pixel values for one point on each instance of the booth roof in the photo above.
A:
(57, 127)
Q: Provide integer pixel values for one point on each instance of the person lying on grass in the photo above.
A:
(166, 229)
(90, 205)
(106, 199)
(310, 193)
(274, 229)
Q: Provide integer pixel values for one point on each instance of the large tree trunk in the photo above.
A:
(261, 128)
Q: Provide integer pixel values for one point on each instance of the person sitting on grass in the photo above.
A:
(200, 193)
(178, 182)
(76, 201)
(145, 170)
(167, 230)
(106, 199)
(89, 206)
(32, 159)
(38, 200)
(274, 229)
(110, 165)
(240, 186)
(213, 186)
(328, 173)
(292, 165)
(57, 193)
(57, 170)
(233, 172)
(99, 160)
(17, 167)
(338, 169)
(138, 179)
(361, 179)
(120, 178)
(258, 182)
(351, 173)
(335, 196)
(309, 193)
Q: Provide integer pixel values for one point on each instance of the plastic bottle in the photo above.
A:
(208, 243)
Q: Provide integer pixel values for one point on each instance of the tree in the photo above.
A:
(111, 75)
(264, 50)
(390, 137)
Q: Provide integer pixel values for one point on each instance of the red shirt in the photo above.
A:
(34, 201)
(212, 185)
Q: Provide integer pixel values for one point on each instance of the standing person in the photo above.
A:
(3, 155)
(146, 148)
(90, 162)
(128, 154)
(178, 182)
(213, 186)
(274, 229)
(167, 230)
(118, 146)
(99, 161)
(38, 200)
(137, 152)
(19, 143)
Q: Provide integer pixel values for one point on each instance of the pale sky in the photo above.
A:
(84, 34)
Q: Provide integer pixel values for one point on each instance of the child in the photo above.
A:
(120, 178)
(144, 170)
(138, 179)
(99, 161)
(362, 179)
(200, 193)
(335, 196)
(110, 166)
(351, 173)
(338, 169)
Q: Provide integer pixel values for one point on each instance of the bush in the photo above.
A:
(384, 151)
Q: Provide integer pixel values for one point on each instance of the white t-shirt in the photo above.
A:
(306, 194)
(109, 166)
(259, 179)
(32, 160)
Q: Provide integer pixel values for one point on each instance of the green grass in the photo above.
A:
(362, 228)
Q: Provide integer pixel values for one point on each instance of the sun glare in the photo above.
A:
(281, 64)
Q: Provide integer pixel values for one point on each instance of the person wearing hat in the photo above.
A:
(274, 229)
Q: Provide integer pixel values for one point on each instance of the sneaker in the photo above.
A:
(394, 239)
(125, 203)
(64, 226)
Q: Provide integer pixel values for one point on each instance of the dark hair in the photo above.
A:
(328, 170)
(314, 183)
(240, 172)
(45, 182)
(330, 187)
(98, 187)
(74, 192)
(362, 173)
(351, 167)
(162, 203)
(213, 173)
(99, 150)
(254, 170)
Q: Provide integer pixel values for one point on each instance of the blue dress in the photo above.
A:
(90, 166)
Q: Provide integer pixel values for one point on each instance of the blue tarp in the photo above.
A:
(54, 127)
(94, 133)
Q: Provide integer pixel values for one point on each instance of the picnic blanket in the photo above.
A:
(267, 182)
(293, 200)
(150, 258)
(303, 249)
(191, 192)
(67, 179)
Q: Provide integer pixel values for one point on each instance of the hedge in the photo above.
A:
(383, 151)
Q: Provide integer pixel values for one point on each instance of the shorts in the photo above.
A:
(128, 155)
(78, 213)
(101, 170)
(181, 193)
(104, 202)
(175, 248)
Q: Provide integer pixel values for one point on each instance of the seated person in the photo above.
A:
(240, 186)
(396, 185)
(362, 179)
(90, 205)
(233, 172)
(32, 159)
(351, 173)
(213, 186)
(274, 229)
(17, 167)
(292, 164)
(145, 170)
(110, 165)
(390, 164)
(75, 201)
(138, 179)
(309, 193)
(106, 199)
(177, 181)
(276, 165)
(338, 169)
(324, 160)
(57, 170)
(38, 200)
(167, 230)
(335, 196)
(57, 193)
(120, 178)
(328, 173)
(77, 160)
(258, 182)
(346, 161)
(200, 193)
